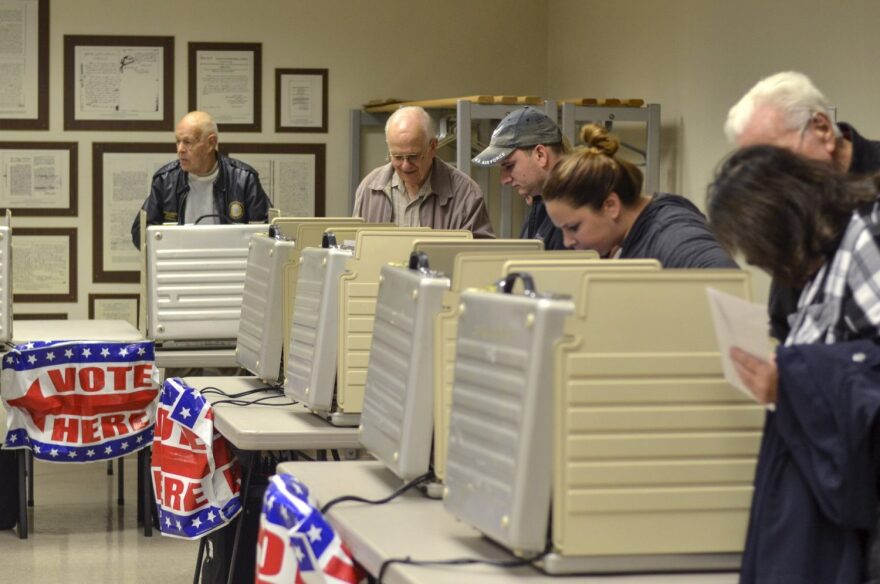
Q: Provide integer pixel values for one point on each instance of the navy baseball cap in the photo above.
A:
(519, 129)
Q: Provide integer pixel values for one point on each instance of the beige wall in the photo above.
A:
(694, 57)
(697, 57)
(385, 48)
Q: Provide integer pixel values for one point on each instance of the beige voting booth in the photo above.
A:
(268, 292)
(653, 453)
(354, 313)
(472, 270)
(397, 419)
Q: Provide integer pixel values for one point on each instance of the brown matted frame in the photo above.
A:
(279, 78)
(39, 316)
(93, 298)
(99, 149)
(71, 42)
(72, 200)
(41, 122)
(319, 151)
(192, 76)
(70, 233)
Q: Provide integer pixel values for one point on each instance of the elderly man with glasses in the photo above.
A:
(417, 189)
(788, 111)
(202, 186)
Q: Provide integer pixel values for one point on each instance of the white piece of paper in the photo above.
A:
(741, 324)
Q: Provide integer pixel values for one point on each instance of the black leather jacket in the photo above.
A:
(238, 196)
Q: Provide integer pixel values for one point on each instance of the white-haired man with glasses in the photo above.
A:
(202, 185)
(417, 189)
(788, 111)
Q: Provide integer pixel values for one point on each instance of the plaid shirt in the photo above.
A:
(842, 302)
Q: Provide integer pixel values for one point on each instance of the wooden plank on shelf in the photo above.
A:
(606, 102)
(445, 103)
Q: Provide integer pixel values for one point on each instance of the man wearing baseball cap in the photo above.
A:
(527, 144)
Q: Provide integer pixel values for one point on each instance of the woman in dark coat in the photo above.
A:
(815, 508)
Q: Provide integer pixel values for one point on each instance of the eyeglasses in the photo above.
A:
(804, 129)
(401, 158)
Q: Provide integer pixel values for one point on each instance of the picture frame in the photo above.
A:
(44, 258)
(293, 175)
(31, 110)
(121, 176)
(225, 80)
(119, 83)
(39, 178)
(115, 307)
(301, 100)
(39, 316)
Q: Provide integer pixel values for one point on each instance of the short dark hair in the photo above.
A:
(783, 212)
(591, 173)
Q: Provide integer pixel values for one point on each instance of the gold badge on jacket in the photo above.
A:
(169, 216)
(236, 210)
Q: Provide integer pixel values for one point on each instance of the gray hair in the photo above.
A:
(428, 126)
(791, 93)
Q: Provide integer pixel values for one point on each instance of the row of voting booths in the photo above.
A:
(565, 406)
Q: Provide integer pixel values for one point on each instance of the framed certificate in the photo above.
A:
(225, 80)
(118, 83)
(115, 307)
(39, 179)
(301, 100)
(44, 264)
(291, 174)
(121, 177)
(24, 96)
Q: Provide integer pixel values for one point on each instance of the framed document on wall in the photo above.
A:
(115, 307)
(118, 83)
(24, 95)
(121, 177)
(44, 264)
(291, 174)
(225, 80)
(301, 100)
(39, 179)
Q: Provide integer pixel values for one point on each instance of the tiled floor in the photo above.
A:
(79, 533)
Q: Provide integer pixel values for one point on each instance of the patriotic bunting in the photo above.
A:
(296, 544)
(196, 478)
(80, 401)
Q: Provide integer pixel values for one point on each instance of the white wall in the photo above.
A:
(383, 48)
(697, 57)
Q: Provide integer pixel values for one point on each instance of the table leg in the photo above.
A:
(200, 558)
(146, 491)
(120, 482)
(22, 495)
(238, 527)
(30, 477)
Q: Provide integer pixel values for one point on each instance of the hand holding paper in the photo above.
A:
(743, 340)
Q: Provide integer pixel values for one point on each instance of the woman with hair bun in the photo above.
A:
(596, 200)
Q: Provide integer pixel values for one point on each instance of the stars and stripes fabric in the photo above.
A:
(296, 544)
(196, 477)
(79, 401)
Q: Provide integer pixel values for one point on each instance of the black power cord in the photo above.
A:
(416, 481)
(514, 563)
